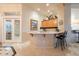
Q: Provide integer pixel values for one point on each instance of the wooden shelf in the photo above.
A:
(48, 27)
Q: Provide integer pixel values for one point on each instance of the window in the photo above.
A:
(75, 19)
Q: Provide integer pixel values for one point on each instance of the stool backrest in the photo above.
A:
(65, 34)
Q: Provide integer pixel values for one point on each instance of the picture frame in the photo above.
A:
(33, 25)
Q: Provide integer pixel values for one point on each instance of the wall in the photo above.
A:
(71, 37)
(39, 40)
(28, 13)
(29, 9)
(8, 8)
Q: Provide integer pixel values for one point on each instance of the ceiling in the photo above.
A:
(42, 8)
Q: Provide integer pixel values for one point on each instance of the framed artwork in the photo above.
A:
(33, 25)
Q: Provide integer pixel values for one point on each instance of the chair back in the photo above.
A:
(65, 34)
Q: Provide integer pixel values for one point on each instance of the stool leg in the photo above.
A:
(65, 42)
(62, 44)
(57, 43)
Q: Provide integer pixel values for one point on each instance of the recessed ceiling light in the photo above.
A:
(48, 11)
(47, 4)
(38, 9)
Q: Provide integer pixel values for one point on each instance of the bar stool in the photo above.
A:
(61, 41)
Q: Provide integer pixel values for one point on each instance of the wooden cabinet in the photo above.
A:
(49, 23)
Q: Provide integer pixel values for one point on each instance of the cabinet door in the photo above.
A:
(8, 30)
(12, 30)
(16, 29)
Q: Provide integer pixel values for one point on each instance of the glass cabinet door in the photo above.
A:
(16, 29)
(12, 30)
(8, 29)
